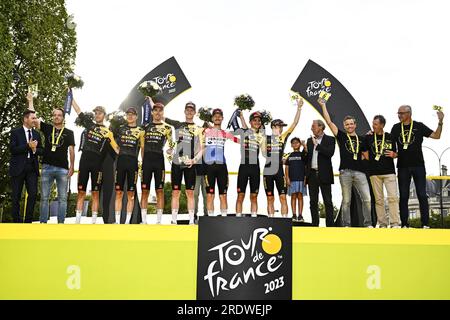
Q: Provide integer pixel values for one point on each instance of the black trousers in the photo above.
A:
(314, 185)
(29, 177)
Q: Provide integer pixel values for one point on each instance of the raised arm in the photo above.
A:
(75, 106)
(31, 107)
(437, 134)
(297, 116)
(244, 124)
(327, 117)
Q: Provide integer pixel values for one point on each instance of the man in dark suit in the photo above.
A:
(319, 171)
(25, 147)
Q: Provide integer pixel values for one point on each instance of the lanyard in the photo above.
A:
(55, 143)
(382, 144)
(406, 143)
(355, 154)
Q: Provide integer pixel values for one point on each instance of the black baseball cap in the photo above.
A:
(255, 114)
(158, 105)
(217, 110)
(278, 123)
(131, 110)
(191, 105)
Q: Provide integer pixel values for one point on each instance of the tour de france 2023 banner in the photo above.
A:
(170, 78)
(244, 259)
(314, 81)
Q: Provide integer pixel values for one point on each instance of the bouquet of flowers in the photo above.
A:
(437, 108)
(244, 102)
(266, 117)
(87, 116)
(116, 119)
(205, 114)
(74, 81)
(149, 88)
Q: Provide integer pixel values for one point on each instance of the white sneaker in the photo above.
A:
(238, 214)
(173, 222)
(254, 215)
(396, 227)
(425, 227)
(370, 227)
(405, 227)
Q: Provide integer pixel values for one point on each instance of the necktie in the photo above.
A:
(30, 137)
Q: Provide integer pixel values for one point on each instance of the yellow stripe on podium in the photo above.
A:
(160, 262)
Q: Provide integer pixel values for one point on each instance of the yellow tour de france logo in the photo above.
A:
(271, 244)
(327, 83)
(172, 78)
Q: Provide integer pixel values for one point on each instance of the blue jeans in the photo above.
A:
(351, 178)
(48, 176)
(404, 184)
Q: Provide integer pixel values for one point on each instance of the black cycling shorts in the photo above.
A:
(216, 173)
(127, 168)
(90, 164)
(248, 172)
(278, 180)
(177, 175)
(153, 166)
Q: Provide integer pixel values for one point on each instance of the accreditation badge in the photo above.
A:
(405, 146)
(377, 158)
(355, 156)
(53, 148)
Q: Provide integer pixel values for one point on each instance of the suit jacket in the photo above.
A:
(326, 151)
(19, 151)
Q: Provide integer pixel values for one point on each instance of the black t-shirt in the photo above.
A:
(296, 162)
(385, 165)
(57, 158)
(413, 156)
(346, 152)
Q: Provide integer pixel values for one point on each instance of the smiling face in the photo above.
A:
(255, 123)
(189, 113)
(30, 120)
(377, 126)
(404, 113)
(217, 119)
(157, 114)
(277, 130)
(131, 118)
(99, 116)
(295, 145)
(316, 129)
(58, 117)
(350, 126)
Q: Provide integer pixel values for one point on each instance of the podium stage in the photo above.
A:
(160, 262)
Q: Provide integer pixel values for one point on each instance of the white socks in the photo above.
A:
(174, 216)
(78, 219)
(127, 221)
(191, 216)
(210, 212)
(224, 212)
(254, 215)
(144, 216)
(94, 217)
(117, 217)
(159, 213)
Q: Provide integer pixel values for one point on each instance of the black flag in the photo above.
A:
(169, 76)
(313, 80)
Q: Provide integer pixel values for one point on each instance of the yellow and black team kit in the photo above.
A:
(251, 143)
(188, 139)
(94, 143)
(155, 137)
(273, 170)
(130, 140)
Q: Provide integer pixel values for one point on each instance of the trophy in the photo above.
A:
(324, 95)
(34, 90)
